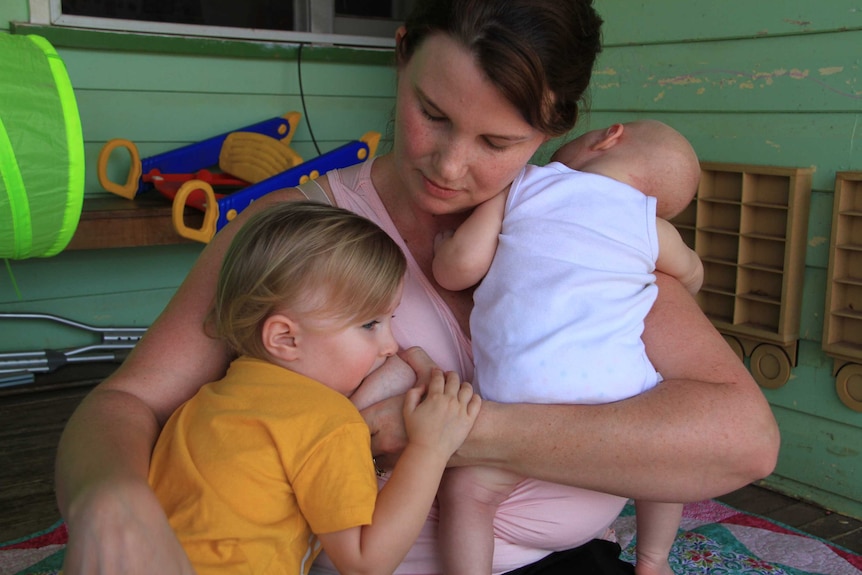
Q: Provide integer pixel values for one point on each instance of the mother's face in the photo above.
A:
(458, 141)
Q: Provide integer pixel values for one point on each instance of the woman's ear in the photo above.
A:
(279, 336)
(400, 33)
(609, 139)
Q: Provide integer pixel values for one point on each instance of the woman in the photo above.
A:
(481, 85)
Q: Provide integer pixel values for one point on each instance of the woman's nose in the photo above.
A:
(452, 160)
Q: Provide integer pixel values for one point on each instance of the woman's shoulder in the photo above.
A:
(352, 188)
(351, 179)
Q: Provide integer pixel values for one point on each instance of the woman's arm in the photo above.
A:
(705, 430)
(104, 452)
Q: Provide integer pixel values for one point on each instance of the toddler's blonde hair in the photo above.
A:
(306, 257)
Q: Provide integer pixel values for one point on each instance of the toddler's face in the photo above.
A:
(339, 355)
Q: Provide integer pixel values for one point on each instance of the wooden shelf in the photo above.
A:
(749, 229)
(842, 326)
(115, 222)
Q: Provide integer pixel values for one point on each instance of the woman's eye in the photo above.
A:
(428, 115)
(370, 324)
(494, 146)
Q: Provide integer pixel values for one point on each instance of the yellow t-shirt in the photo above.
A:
(256, 463)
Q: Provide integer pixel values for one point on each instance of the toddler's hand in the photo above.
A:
(444, 417)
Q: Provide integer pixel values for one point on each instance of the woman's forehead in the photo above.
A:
(448, 76)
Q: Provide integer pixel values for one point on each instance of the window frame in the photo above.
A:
(319, 17)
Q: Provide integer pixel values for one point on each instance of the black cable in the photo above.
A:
(302, 97)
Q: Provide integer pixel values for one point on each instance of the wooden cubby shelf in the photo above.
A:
(842, 326)
(748, 224)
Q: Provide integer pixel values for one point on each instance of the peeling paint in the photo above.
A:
(842, 451)
(726, 78)
(680, 80)
(605, 72)
(775, 145)
(606, 85)
(828, 71)
(701, 91)
(817, 241)
(659, 96)
(798, 22)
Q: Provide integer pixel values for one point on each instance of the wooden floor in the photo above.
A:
(32, 417)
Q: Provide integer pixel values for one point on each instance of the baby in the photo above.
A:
(566, 259)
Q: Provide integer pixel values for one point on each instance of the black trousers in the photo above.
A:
(598, 557)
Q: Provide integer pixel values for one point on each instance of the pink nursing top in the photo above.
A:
(423, 318)
(538, 517)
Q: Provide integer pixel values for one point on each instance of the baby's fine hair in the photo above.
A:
(303, 256)
(539, 53)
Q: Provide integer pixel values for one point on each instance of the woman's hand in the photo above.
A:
(122, 529)
(385, 418)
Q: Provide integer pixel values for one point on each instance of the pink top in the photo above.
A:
(423, 318)
(538, 517)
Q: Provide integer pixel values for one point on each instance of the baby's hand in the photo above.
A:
(444, 417)
(442, 237)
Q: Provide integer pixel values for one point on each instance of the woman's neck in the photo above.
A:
(418, 229)
(411, 220)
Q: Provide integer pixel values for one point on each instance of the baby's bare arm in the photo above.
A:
(676, 259)
(462, 259)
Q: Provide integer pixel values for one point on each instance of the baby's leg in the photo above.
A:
(657, 525)
(468, 498)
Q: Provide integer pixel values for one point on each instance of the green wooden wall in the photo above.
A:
(771, 83)
(162, 95)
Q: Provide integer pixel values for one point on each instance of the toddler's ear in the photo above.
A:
(279, 337)
(610, 138)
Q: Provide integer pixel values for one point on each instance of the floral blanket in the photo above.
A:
(717, 539)
(713, 539)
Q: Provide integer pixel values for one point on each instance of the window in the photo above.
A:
(345, 22)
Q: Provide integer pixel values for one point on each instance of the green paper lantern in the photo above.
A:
(41, 150)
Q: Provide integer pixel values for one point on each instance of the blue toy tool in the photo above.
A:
(187, 159)
(219, 211)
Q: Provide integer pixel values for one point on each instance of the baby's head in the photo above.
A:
(645, 154)
(303, 256)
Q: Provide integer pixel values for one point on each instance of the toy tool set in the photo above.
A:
(243, 165)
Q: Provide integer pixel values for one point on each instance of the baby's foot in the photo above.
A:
(646, 566)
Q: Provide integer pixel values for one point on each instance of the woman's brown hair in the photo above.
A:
(539, 53)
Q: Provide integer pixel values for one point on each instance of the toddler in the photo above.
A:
(262, 468)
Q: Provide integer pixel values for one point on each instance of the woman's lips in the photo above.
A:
(437, 190)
